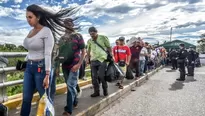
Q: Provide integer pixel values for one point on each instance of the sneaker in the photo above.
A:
(105, 92)
(75, 106)
(142, 74)
(79, 93)
(95, 95)
(84, 78)
(179, 79)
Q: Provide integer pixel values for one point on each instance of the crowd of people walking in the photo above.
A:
(47, 50)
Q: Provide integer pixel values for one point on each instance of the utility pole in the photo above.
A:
(171, 34)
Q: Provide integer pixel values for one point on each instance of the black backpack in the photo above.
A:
(60, 50)
(3, 110)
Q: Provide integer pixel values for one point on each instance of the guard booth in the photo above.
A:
(175, 44)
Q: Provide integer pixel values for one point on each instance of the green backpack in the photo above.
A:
(63, 47)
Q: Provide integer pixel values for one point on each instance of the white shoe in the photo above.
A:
(143, 74)
(79, 93)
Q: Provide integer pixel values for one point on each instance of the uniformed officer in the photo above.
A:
(191, 61)
(173, 57)
(181, 61)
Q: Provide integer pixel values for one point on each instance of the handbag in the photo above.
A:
(3, 110)
(20, 65)
(109, 56)
(120, 62)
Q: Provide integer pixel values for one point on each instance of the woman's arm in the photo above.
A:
(48, 48)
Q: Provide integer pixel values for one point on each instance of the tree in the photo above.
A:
(202, 43)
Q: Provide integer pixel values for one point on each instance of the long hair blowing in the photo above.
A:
(54, 21)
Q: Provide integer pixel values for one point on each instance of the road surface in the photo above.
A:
(162, 95)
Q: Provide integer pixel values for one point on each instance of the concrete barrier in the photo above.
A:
(96, 108)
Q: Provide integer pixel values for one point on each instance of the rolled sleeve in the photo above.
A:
(48, 43)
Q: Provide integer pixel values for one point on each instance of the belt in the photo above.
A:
(34, 61)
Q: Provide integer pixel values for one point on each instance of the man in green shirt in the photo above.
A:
(98, 59)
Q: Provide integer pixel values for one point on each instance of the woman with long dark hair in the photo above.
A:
(47, 27)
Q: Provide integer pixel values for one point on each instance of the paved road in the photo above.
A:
(163, 96)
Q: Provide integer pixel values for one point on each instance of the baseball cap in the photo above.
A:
(182, 45)
(121, 38)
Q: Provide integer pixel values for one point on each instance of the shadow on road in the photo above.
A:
(170, 70)
(190, 79)
(177, 85)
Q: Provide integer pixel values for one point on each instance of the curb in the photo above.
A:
(96, 108)
(15, 101)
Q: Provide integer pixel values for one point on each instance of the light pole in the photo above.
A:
(171, 34)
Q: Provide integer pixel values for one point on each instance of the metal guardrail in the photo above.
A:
(5, 70)
(13, 54)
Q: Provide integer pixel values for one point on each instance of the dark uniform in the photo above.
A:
(197, 64)
(181, 61)
(173, 57)
(191, 61)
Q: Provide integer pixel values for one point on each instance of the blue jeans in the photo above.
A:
(142, 64)
(33, 80)
(71, 79)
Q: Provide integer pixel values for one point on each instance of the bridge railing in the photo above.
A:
(5, 70)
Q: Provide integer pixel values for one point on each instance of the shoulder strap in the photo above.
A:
(118, 54)
(100, 46)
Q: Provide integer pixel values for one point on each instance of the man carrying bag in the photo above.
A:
(98, 59)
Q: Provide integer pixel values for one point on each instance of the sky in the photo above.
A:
(150, 19)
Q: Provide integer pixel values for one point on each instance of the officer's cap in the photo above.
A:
(182, 45)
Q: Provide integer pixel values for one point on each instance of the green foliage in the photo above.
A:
(202, 43)
(12, 90)
(12, 48)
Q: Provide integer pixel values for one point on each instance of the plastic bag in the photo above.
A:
(113, 72)
(129, 73)
(45, 107)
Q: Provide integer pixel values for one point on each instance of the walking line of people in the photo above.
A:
(47, 49)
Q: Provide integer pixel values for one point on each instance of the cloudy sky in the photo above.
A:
(149, 19)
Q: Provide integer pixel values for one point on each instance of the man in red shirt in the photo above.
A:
(122, 56)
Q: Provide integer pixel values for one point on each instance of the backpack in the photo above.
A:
(60, 49)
